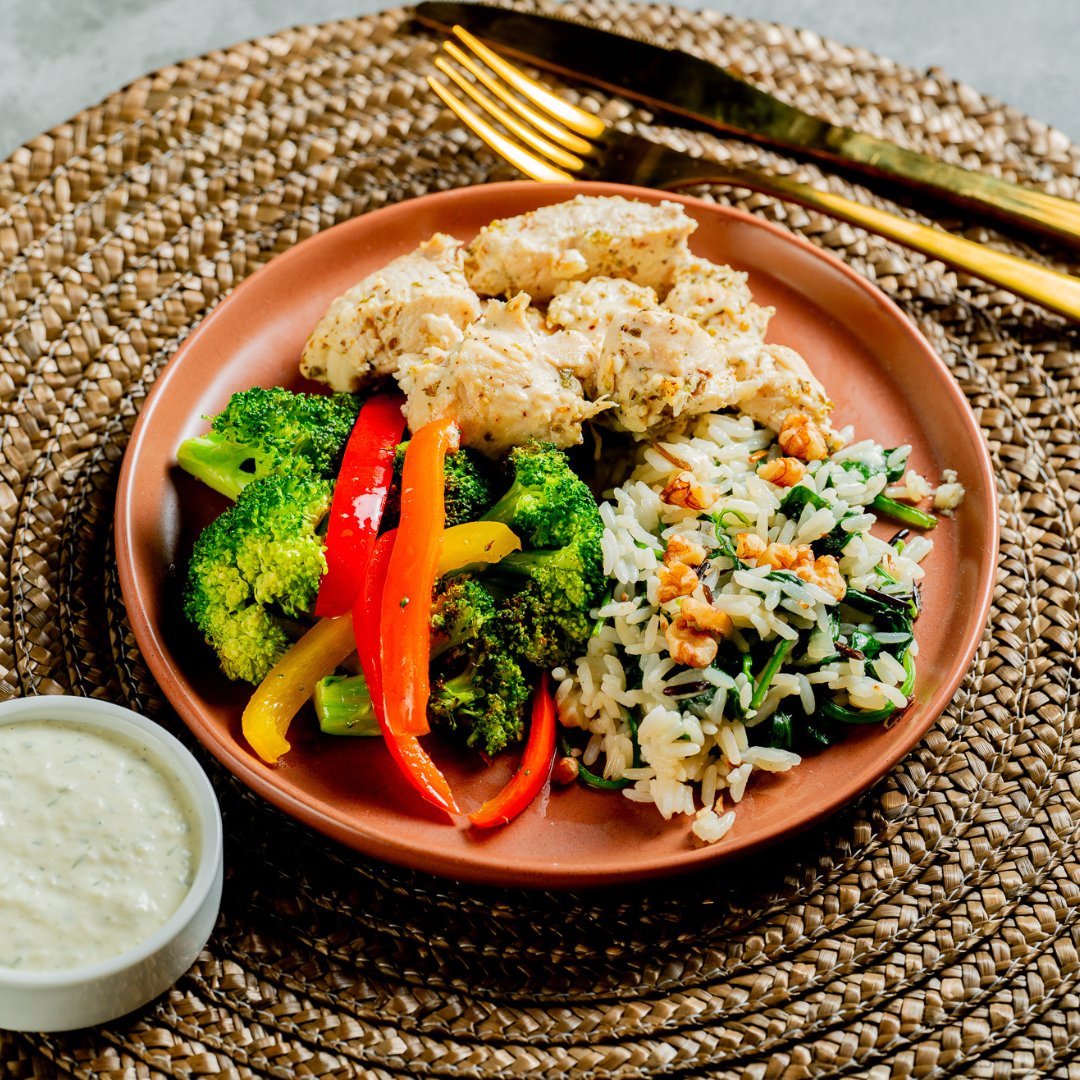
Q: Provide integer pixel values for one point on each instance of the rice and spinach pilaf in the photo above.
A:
(753, 617)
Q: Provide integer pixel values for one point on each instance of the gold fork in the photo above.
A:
(566, 143)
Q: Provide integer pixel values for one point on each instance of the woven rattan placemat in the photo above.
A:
(930, 930)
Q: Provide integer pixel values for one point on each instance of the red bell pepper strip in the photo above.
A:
(534, 769)
(363, 484)
(409, 756)
(412, 759)
(367, 610)
(405, 624)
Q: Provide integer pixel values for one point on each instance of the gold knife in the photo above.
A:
(672, 81)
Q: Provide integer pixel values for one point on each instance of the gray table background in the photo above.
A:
(58, 56)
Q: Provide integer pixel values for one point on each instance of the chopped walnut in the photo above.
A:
(676, 580)
(779, 556)
(688, 492)
(680, 549)
(823, 571)
(783, 472)
(825, 574)
(801, 437)
(704, 617)
(750, 546)
(688, 646)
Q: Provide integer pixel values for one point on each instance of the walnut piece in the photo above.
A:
(676, 580)
(680, 549)
(801, 437)
(689, 646)
(706, 618)
(783, 472)
(687, 491)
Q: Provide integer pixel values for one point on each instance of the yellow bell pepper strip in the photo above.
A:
(360, 493)
(290, 682)
(475, 542)
(534, 769)
(404, 626)
(409, 756)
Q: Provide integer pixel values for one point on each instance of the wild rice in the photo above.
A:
(697, 727)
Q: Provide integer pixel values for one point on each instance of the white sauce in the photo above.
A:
(97, 846)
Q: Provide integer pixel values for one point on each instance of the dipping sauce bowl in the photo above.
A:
(111, 862)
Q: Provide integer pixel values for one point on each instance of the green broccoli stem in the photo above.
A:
(343, 706)
(909, 515)
(505, 510)
(217, 463)
(343, 702)
(768, 673)
(526, 563)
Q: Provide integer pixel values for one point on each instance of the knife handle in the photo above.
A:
(1002, 199)
(1050, 288)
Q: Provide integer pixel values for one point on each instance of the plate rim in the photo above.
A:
(454, 865)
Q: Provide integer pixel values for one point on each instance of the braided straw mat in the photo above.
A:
(929, 930)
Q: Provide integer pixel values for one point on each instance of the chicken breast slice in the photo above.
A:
(590, 307)
(416, 303)
(504, 383)
(773, 382)
(583, 238)
(718, 299)
(657, 367)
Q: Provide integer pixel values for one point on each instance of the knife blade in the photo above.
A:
(675, 82)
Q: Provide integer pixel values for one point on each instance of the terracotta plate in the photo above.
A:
(885, 380)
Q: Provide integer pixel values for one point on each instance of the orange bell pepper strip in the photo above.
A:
(534, 769)
(409, 756)
(404, 625)
(290, 682)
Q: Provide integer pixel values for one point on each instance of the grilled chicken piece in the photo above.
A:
(416, 303)
(775, 381)
(505, 383)
(583, 238)
(657, 367)
(590, 307)
(718, 299)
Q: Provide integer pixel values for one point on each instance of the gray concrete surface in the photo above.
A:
(57, 56)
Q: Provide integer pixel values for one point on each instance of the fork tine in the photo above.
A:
(526, 135)
(555, 132)
(592, 127)
(532, 166)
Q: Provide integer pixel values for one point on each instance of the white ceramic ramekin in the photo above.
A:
(95, 993)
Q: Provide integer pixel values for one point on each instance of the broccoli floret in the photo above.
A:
(266, 431)
(493, 627)
(486, 700)
(539, 634)
(466, 486)
(478, 688)
(548, 505)
(547, 620)
(461, 609)
(259, 560)
(485, 703)
(554, 586)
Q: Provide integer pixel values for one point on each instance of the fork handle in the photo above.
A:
(1059, 292)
